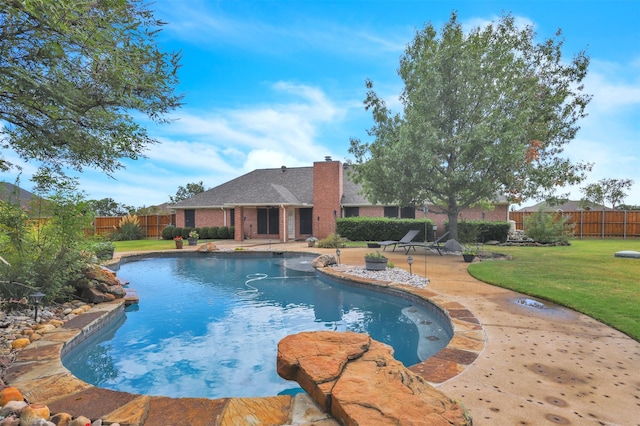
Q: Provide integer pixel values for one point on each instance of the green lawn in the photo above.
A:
(584, 276)
(143, 245)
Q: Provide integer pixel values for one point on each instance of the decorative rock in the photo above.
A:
(10, 421)
(45, 328)
(453, 245)
(35, 336)
(20, 343)
(10, 394)
(207, 247)
(359, 382)
(80, 421)
(33, 412)
(12, 407)
(62, 419)
(323, 261)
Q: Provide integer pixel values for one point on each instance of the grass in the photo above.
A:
(144, 245)
(584, 276)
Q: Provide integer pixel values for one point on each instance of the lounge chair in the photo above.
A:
(404, 240)
(428, 245)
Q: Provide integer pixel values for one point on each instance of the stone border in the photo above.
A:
(468, 340)
(40, 375)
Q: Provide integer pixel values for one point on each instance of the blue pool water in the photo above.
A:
(209, 326)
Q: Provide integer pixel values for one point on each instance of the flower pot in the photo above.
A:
(311, 243)
(193, 241)
(179, 244)
(375, 264)
(468, 257)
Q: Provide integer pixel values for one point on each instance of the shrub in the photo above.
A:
(223, 233)
(103, 249)
(204, 232)
(381, 228)
(167, 232)
(46, 255)
(332, 241)
(177, 231)
(214, 232)
(186, 231)
(481, 231)
(548, 228)
(128, 229)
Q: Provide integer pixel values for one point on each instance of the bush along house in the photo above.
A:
(291, 204)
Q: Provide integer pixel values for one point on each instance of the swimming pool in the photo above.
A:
(209, 325)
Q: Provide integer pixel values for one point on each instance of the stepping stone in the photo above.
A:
(628, 253)
(131, 297)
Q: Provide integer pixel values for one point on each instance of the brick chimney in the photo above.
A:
(328, 185)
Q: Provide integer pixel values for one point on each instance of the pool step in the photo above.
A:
(131, 297)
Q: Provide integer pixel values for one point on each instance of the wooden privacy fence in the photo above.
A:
(152, 225)
(594, 223)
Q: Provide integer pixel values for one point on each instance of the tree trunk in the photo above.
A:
(452, 215)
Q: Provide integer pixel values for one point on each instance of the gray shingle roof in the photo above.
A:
(9, 191)
(289, 186)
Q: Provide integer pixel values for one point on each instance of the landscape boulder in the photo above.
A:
(358, 381)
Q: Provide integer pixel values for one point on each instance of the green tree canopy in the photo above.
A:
(73, 74)
(109, 207)
(486, 113)
(187, 192)
(610, 191)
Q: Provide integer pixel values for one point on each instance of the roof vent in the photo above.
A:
(327, 158)
(283, 169)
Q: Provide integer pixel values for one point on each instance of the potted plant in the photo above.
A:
(178, 241)
(469, 253)
(193, 238)
(311, 241)
(375, 261)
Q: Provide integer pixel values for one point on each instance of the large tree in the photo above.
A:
(187, 192)
(612, 191)
(72, 76)
(486, 113)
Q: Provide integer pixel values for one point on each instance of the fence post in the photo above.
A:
(624, 227)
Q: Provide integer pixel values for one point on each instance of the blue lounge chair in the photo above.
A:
(404, 240)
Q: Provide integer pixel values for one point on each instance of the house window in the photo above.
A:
(268, 221)
(391, 211)
(190, 218)
(408, 213)
(351, 211)
(306, 221)
(232, 217)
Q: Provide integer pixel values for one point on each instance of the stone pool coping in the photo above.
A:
(39, 374)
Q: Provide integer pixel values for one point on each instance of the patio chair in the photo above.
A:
(406, 239)
(428, 245)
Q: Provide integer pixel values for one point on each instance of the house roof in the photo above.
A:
(288, 186)
(569, 206)
(9, 191)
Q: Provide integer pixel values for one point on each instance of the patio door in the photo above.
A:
(291, 224)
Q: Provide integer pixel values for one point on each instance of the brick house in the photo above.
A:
(288, 204)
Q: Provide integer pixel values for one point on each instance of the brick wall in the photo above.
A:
(327, 193)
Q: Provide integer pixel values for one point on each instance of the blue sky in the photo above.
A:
(272, 83)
